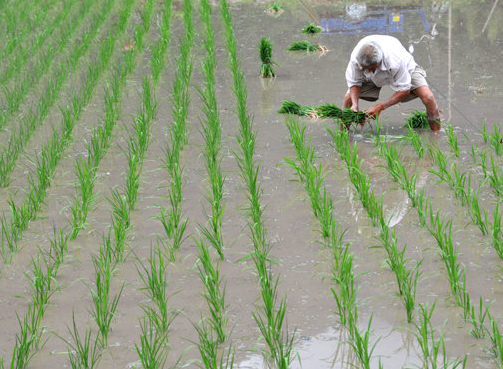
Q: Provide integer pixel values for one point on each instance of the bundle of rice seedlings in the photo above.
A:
(418, 120)
(303, 45)
(265, 49)
(275, 8)
(311, 28)
(291, 107)
(329, 111)
(349, 116)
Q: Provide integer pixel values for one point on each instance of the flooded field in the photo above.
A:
(157, 211)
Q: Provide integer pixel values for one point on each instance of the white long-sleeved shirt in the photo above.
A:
(395, 69)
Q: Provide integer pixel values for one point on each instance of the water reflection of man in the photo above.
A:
(380, 60)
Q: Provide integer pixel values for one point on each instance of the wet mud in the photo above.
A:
(460, 47)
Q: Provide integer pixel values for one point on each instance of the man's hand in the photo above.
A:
(375, 110)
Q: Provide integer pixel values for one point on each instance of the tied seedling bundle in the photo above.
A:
(265, 49)
(418, 120)
(275, 9)
(311, 28)
(346, 115)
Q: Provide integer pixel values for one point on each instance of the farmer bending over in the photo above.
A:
(379, 60)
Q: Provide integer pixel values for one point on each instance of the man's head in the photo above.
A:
(369, 56)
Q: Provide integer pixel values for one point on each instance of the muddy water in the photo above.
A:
(462, 63)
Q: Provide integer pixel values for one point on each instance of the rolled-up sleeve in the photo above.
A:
(354, 76)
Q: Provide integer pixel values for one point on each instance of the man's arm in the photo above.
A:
(397, 97)
(354, 94)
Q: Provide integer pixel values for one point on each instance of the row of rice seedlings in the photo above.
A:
(430, 346)
(85, 169)
(157, 60)
(18, 59)
(33, 119)
(271, 317)
(172, 219)
(212, 134)
(17, 95)
(24, 19)
(321, 203)
(407, 277)
(43, 283)
(441, 229)
(495, 139)
(51, 152)
(460, 182)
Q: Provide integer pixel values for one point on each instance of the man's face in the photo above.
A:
(371, 68)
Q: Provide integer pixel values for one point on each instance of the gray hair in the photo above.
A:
(369, 54)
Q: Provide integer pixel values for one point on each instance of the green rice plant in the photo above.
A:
(159, 52)
(302, 45)
(484, 131)
(154, 278)
(311, 28)
(59, 244)
(477, 320)
(418, 119)
(496, 140)
(84, 198)
(83, 352)
(120, 221)
(211, 356)
(452, 140)
(28, 340)
(496, 339)
(496, 178)
(105, 307)
(214, 293)
(346, 297)
(496, 231)
(265, 50)
(361, 343)
(153, 347)
(479, 218)
(329, 111)
(42, 277)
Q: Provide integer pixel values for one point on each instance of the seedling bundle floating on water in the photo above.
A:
(303, 45)
(346, 115)
(265, 48)
(275, 9)
(311, 28)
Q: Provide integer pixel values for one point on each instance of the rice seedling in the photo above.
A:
(495, 178)
(497, 232)
(120, 221)
(452, 140)
(215, 294)
(361, 343)
(496, 339)
(303, 46)
(83, 352)
(59, 244)
(350, 116)
(154, 277)
(417, 120)
(478, 216)
(28, 340)
(265, 50)
(432, 348)
(477, 320)
(104, 307)
(311, 28)
(153, 347)
(84, 198)
(41, 282)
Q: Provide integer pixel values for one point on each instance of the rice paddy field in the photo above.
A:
(156, 211)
